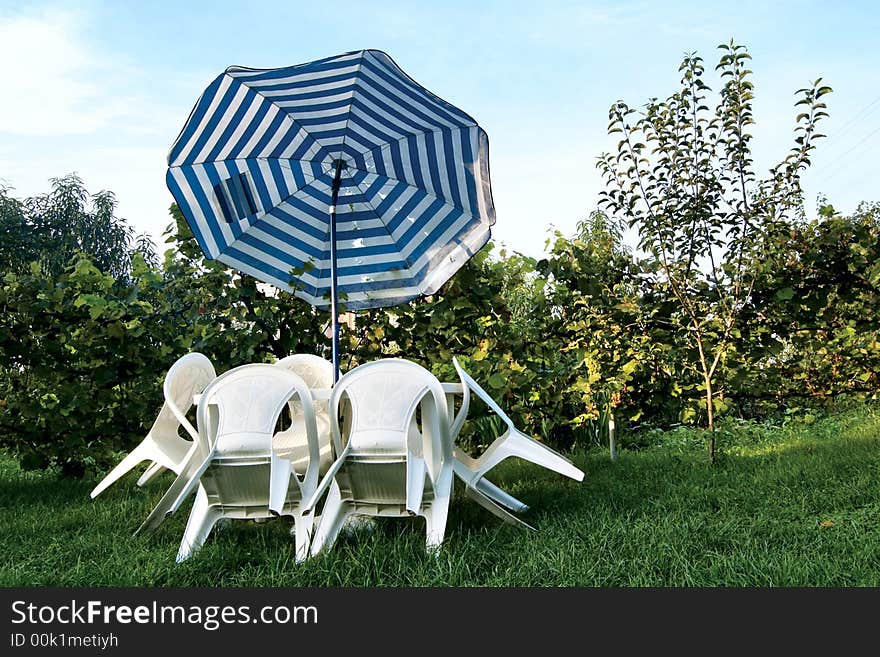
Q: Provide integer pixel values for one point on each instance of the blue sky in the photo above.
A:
(103, 88)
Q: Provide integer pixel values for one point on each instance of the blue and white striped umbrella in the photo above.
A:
(253, 171)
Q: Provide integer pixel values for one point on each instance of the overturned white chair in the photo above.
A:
(163, 445)
(387, 465)
(513, 442)
(237, 472)
(291, 443)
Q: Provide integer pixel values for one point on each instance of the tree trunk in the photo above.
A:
(710, 409)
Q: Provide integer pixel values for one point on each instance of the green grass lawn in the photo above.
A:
(784, 506)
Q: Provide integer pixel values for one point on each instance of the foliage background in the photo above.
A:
(561, 343)
(91, 317)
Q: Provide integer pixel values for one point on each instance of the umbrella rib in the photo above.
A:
(351, 103)
(287, 115)
(387, 146)
(381, 221)
(465, 212)
(308, 176)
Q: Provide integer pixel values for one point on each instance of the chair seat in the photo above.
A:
(233, 468)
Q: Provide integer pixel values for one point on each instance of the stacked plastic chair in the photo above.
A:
(394, 450)
(234, 466)
(387, 423)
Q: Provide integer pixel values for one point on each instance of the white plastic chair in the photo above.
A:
(513, 442)
(388, 466)
(234, 466)
(163, 445)
(291, 443)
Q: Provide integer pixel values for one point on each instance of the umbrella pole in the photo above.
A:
(334, 295)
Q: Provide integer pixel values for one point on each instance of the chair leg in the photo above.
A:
(521, 445)
(201, 520)
(152, 471)
(302, 531)
(517, 444)
(435, 516)
(438, 511)
(493, 507)
(140, 453)
(188, 478)
(333, 516)
(500, 496)
(469, 474)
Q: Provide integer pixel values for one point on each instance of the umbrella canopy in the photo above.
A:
(253, 172)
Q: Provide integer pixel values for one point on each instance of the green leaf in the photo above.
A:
(497, 381)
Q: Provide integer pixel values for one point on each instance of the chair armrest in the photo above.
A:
(324, 484)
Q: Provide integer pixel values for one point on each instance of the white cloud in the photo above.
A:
(69, 105)
(53, 89)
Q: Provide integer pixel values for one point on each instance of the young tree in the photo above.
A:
(683, 175)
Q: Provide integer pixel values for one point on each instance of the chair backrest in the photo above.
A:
(314, 370)
(317, 372)
(189, 375)
(383, 399)
(237, 416)
(239, 409)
